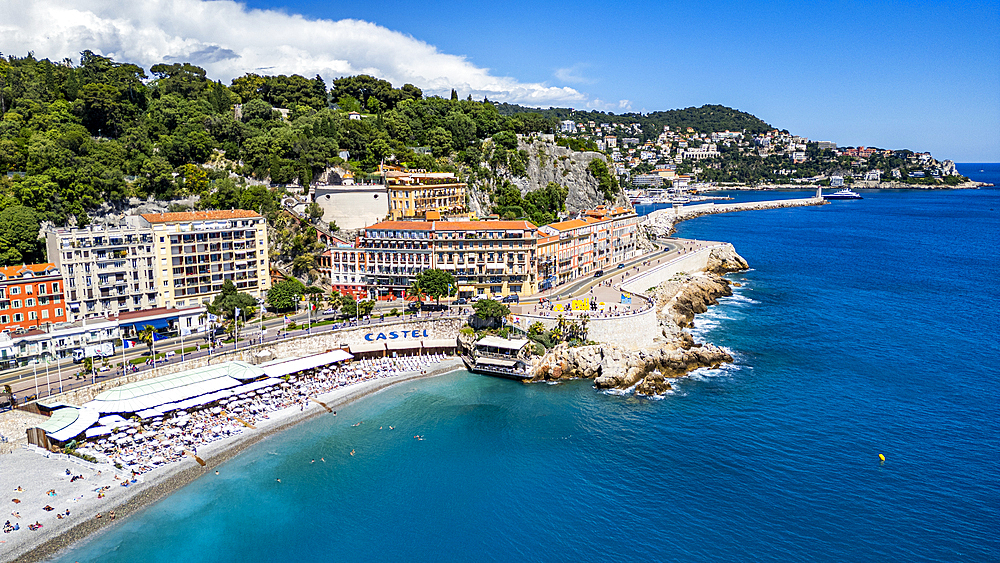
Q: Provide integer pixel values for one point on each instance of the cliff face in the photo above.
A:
(649, 371)
(548, 162)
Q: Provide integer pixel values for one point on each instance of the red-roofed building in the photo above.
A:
(486, 257)
(30, 296)
(601, 238)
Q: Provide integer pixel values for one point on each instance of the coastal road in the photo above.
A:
(31, 380)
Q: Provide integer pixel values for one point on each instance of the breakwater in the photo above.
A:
(661, 222)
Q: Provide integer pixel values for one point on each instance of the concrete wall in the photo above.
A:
(631, 331)
(352, 208)
(695, 261)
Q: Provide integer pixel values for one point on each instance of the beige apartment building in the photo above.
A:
(489, 258)
(412, 194)
(106, 269)
(194, 252)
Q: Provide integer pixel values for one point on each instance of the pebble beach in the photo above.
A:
(92, 492)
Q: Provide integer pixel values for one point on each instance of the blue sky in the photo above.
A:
(917, 75)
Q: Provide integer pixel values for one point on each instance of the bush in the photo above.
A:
(394, 312)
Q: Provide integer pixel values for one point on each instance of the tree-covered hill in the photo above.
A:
(704, 119)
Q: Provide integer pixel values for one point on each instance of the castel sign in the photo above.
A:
(395, 334)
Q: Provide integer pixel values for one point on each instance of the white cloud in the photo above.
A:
(573, 74)
(624, 104)
(228, 40)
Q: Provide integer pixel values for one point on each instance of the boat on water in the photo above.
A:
(843, 194)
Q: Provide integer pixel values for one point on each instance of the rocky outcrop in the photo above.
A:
(724, 260)
(548, 162)
(650, 371)
(685, 296)
(612, 367)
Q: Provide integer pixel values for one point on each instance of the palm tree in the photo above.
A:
(146, 336)
(417, 290)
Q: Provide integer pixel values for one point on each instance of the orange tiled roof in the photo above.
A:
(16, 271)
(567, 225)
(214, 215)
(482, 225)
(402, 225)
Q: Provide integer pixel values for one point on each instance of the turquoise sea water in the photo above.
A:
(865, 327)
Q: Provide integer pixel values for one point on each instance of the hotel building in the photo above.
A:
(30, 296)
(413, 193)
(600, 239)
(106, 269)
(486, 257)
(195, 252)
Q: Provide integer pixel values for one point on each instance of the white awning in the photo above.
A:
(496, 362)
(373, 347)
(495, 266)
(309, 362)
(439, 343)
(497, 342)
(86, 418)
(402, 344)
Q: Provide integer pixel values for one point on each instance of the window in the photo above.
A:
(16, 304)
(45, 313)
(18, 317)
(27, 289)
(59, 312)
(55, 287)
(32, 316)
(4, 319)
(15, 290)
(29, 302)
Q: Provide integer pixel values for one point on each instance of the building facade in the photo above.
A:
(602, 238)
(107, 270)
(30, 297)
(488, 258)
(195, 252)
(412, 194)
(495, 258)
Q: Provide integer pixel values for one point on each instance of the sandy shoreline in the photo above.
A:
(40, 472)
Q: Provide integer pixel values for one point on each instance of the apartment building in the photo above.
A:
(497, 258)
(601, 238)
(344, 266)
(106, 269)
(194, 252)
(486, 257)
(414, 193)
(30, 296)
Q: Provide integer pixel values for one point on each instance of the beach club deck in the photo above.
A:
(501, 357)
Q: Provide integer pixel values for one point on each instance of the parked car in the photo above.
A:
(620, 266)
(512, 298)
(329, 312)
(598, 273)
(461, 301)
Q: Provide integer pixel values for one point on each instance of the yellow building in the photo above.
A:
(412, 193)
(195, 252)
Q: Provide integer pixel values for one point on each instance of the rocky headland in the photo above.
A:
(649, 371)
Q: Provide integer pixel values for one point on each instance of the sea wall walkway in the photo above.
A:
(665, 219)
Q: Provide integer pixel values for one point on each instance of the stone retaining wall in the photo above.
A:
(293, 347)
(630, 331)
(696, 261)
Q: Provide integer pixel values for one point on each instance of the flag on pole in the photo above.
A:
(212, 318)
(130, 343)
(158, 336)
(236, 313)
(286, 319)
(185, 331)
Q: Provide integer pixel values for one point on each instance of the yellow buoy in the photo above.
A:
(881, 457)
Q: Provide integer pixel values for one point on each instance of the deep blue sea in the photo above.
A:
(864, 327)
